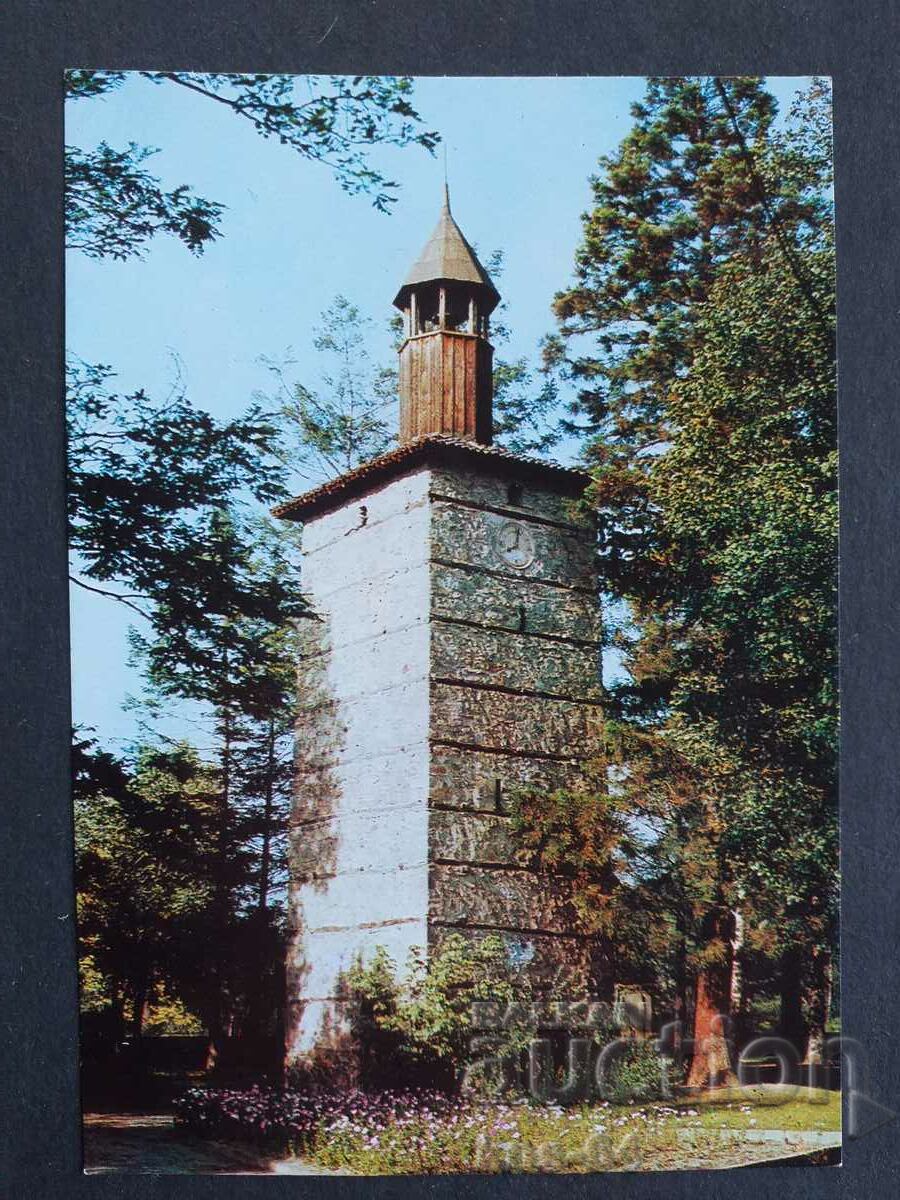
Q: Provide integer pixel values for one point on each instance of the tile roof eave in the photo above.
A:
(436, 448)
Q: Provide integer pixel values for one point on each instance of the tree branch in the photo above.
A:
(771, 214)
(112, 595)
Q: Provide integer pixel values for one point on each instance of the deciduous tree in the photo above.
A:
(145, 475)
(114, 206)
(143, 852)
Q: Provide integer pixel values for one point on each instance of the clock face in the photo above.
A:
(516, 545)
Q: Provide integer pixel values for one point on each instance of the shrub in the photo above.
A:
(636, 1073)
(421, 1029)
(423, 1032)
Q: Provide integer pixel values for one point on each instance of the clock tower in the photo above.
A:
(454, 658)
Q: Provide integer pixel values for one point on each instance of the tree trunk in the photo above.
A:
(792, 1024)
(737, 976)
(216, 1009)
(711, 1060)
(215, 1035)
(139, 1009)
(680, 979)
(817, 996)
(117, 1013)
(740, 1014)
(266, 859)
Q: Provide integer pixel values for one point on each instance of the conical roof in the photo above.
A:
(447, 256)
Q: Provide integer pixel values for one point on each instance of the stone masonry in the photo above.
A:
(455, 655)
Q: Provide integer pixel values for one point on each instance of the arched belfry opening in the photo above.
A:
(446, 360)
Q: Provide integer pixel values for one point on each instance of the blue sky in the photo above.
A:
(520, 152)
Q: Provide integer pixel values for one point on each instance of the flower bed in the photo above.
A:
(429, 1132)
(423, 1131)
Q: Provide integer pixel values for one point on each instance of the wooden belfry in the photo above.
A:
(446, 359)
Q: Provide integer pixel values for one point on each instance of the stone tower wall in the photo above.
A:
(514, 700)
(437, 678)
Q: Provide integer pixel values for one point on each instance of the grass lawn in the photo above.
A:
(770, 1107)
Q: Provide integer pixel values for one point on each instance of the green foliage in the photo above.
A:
(579, 835)
(435, 1014)
(143, 842)
(158, 520)
(146, 477)
(636, 1074)
(737, 622)
(114, 207)
(223, 637)
(374, 984)
(83, 85)
(161, 503)
(523, 407)
(525, 403)
(681, 197)
(748, 500)
(349, 417)
(208, 923)
(700, 334)
(428, 1016)
(169, 1016)
(220, 630)
(152, 872)
(94, 994)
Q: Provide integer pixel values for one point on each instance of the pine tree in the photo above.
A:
(736, 642)
(684, 193)
(704, 317)
(750, 502)
(222, 637)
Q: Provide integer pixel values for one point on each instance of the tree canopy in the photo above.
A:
(114, 206)
(700, 335)
(143, 475)
(348, 416)
(164, 512)
(686, 191)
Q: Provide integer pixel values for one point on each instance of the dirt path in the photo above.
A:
(149, 1144)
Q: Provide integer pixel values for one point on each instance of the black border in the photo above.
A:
(856, 44)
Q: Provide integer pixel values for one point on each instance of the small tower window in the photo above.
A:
(514, 494)
(428, 309)
(445, 306)
(457, 311)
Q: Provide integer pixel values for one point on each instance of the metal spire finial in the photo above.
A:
(446, 184)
